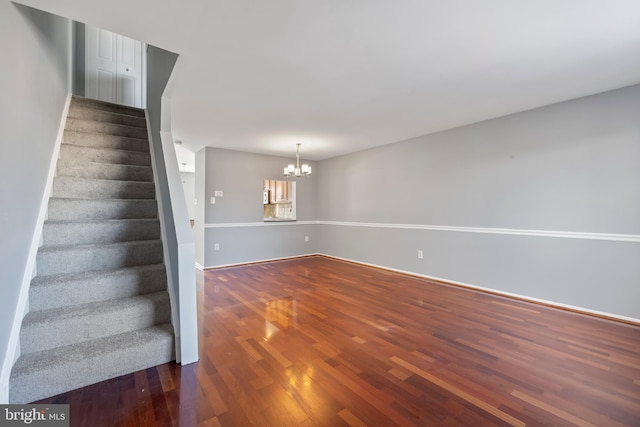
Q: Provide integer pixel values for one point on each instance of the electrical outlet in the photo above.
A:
(213, 200)
(195, 201)
(306, 238)
(216, 246)
(420, 255)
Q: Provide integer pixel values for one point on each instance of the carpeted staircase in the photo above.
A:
(98, 306)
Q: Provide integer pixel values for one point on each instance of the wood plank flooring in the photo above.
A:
(321, 342)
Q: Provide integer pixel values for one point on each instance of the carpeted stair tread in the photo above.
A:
(106, 106)
(41, 360)
(96, 308)
(108, 171)
(47, 373)
(42, 330)
(85, 209)
(88, 188)
(103, 127)
(43, 281)
(47, 292)
(77, 153)
(62, 248)
(86, 113)
(57, 233)
(110, 221)
(75, 258)
(101, 140)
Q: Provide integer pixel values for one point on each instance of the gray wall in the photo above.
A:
(573, 166)
(257, 243)
(240, 176)
(34, 82)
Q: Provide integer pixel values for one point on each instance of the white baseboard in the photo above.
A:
(13, 350)
(238, 264)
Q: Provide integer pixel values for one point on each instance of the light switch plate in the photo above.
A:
(213, 200)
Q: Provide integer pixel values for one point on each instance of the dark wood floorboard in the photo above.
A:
(321, 342)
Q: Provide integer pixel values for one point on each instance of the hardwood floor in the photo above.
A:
(320, 342)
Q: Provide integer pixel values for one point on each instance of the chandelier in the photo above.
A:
(296, 170)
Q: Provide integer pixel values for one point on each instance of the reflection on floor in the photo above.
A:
(281, 312)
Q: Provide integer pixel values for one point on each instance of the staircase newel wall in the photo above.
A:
(176, 234)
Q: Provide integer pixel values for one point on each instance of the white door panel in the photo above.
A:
(106, 46)
(101, 65)
(127, 90)
(127, 51)
(105, 86)
(129, 59)
(114, 68)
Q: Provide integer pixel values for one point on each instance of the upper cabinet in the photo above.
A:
(278, 191)
(279, 199)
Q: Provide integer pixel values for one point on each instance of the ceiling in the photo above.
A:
(345, 75)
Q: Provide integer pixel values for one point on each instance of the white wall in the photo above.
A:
(543, 204)
(34, 83)
(189, 187)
